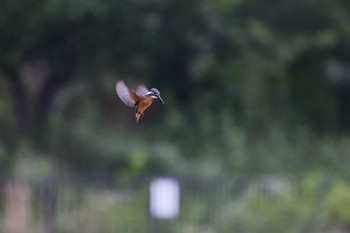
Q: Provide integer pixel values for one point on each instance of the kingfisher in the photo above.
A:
(140, 98)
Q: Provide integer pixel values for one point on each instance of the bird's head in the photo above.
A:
(154, 92)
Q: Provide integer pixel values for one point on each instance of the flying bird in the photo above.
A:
(140, 98)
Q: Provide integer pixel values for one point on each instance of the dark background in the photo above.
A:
(250, 87)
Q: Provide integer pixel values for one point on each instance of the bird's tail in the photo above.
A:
(137, 115)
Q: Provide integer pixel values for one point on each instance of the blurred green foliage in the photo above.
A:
(337, 198)
(250, 86)
(314, 203)
(105, 211)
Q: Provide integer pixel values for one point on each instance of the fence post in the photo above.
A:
(50, 205)
(18, 207)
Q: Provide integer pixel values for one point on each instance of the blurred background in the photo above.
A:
(255, 126)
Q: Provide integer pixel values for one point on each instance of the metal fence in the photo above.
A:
(104, 203)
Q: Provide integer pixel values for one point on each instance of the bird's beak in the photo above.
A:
(160, 98)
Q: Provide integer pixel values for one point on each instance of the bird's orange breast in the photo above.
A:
(142, 105)
(145, 103)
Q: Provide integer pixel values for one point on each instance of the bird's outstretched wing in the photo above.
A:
(125, 94)
(141, 90)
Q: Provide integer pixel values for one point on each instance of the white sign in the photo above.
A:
(164, 198)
